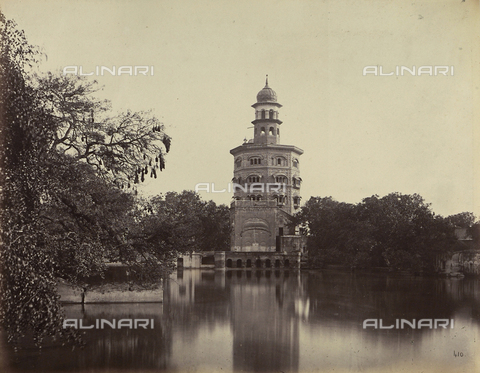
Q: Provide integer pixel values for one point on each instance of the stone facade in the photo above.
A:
(463, 258)
(266, 185)
(459, 264)
(190, 260)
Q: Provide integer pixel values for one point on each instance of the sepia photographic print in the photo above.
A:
(239, 186)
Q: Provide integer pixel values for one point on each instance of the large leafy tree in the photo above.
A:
(336, 235)
(398, 231)
(182, 222)
(461, 220)
(407, 233)
(65, 167)
(124, 148)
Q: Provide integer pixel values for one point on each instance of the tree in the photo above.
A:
(124, 148)
(407, 233)
(336, 235)
(182, 222)
(461, 220)
(397, 231)
(65, 166)
(216, 228)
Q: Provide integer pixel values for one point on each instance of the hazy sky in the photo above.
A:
(362, 135)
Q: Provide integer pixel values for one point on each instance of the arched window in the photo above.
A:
(296, 202)
(255, 160)
(295, 162)
(296, 181)
(238, 162)
(249, 263)
(262, 132)
(258, 263)
(281, 179)
(271, 131)
(239, 263)
(270, 114)
(268, 263)
(263, 114)
(280, 200)
(259, 198)
(279, 161)
(229, 263)
(254, 179)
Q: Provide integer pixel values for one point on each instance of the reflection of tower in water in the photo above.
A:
(258, 311)
(264, 321)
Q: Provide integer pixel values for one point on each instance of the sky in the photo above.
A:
(361, 134)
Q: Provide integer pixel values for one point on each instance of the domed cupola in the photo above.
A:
(266, 94)
(266, 129)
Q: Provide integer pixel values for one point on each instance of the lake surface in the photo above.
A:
(279, 321)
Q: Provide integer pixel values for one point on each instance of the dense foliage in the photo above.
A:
(68, 201)
(397, 231)
(69, 170)
(182, 222)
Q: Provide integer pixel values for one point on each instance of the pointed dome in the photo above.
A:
(266, 94)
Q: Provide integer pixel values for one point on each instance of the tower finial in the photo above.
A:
(266, 81)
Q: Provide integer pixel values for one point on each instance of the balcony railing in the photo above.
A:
(249, 203)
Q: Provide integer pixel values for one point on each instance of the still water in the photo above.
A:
(280, 321)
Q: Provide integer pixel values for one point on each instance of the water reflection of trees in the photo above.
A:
(341, 301)
(193, 298)
(265, 315)
(357, 296)
(266, 308)
(107, 348)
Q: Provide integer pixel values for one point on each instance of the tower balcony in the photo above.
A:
(249, 203)
(267, 120)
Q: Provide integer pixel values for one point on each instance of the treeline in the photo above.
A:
(397, 231)
(183, 222)
(69, 171)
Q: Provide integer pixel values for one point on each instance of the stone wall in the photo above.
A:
(191, 260)
(466, 262)
(108, 293)
(261, 260)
